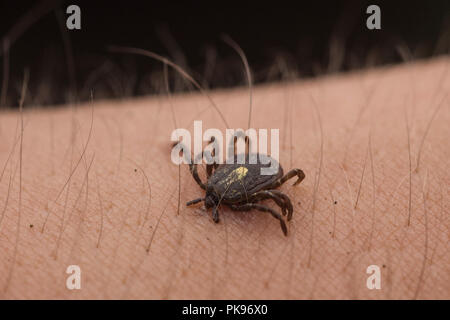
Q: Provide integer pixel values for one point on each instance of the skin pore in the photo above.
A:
(99, 191)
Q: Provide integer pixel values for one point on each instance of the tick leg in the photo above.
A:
(194, 172)
(215, 214)
(294, 172)
(260, 207)
(210, 168)
(190, 203)
(287, 201)
(193, 166)
(214, 165)
(280, 199)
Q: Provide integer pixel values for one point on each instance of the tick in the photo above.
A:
(241, 186)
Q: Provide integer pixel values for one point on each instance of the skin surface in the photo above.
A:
(107, 201)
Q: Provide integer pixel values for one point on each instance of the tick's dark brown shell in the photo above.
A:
(234, 183)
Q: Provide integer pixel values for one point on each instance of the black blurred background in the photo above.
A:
(282, 40)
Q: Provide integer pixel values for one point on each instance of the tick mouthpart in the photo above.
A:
(209, 201)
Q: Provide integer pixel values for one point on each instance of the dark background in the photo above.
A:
(282, 40)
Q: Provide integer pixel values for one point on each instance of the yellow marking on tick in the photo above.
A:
(240, 172)
(236, 175)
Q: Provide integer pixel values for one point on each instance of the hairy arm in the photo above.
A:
(99, 191)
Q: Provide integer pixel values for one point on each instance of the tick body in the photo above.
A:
(242, 186)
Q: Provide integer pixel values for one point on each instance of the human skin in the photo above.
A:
(374, 146)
